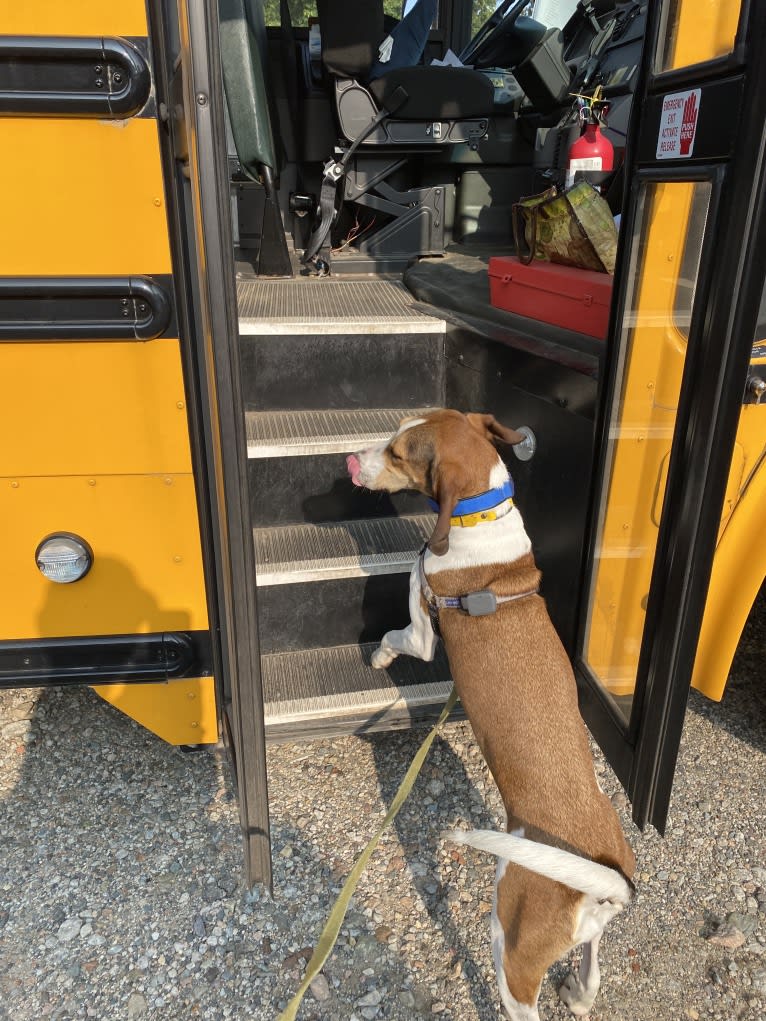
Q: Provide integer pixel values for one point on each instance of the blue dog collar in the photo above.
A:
(484, 501)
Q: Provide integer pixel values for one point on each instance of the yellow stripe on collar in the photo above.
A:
(469, 520)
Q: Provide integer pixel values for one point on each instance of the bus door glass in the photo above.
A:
(673, 393)
(663, 272)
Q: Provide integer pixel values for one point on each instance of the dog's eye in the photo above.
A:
(393, 455)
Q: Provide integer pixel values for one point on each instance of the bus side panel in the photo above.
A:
(147, 564)
(181, 712)
(88, 198)
(94, 408)
(739, 569)
(75, 17)
(100, 431)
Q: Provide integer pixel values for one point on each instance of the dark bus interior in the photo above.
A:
(430, 158)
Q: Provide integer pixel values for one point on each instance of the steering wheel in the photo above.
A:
(490, 25)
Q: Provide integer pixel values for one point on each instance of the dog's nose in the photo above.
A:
(354, 468)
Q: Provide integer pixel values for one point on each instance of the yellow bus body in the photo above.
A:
(100, 434)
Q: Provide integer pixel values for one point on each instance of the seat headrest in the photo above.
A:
(351, 35)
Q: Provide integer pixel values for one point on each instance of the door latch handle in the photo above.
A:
(754, 389)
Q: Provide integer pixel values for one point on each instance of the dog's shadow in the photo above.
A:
(442, 792)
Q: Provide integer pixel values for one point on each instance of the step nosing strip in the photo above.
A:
(313, 446)
(330, 570)
(296, 433)
(251, 327)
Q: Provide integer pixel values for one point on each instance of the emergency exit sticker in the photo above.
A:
(678, 125)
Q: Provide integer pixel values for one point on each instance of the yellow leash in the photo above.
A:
(332, 926)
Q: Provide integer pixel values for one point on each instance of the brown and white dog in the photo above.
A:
(564, 867)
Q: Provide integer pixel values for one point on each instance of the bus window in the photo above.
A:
(300, 12)
(303, 12)
(714, 30)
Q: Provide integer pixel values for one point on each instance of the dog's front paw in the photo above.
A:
(575, 996)
(382, 658)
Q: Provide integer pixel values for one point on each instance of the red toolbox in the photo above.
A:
(577, 299)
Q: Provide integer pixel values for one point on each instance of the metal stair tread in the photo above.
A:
(296, 433)
(295, 686)
(289, 554)
(312, 307)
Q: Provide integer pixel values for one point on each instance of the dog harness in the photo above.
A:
(475, 604)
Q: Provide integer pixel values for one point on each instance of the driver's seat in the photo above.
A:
(425, 104)
(406, 112)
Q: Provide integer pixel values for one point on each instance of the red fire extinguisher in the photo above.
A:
(592, 150)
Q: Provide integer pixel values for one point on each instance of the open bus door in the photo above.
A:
(690, 281)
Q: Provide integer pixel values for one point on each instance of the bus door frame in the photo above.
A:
(197, 181)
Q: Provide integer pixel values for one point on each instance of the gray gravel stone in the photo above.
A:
(134, 847)
(69, 930)
(320, 988)
(137, 1005)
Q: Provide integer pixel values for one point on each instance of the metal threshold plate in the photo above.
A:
(292, 307)
(352, 549)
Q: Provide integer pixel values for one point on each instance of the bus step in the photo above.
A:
(323, 692)
(351, 549)
(297, 466)
(297, 433)
(329, 306)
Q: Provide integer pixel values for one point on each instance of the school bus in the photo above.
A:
(230, 256)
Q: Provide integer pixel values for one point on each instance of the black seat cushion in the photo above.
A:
(436, 93)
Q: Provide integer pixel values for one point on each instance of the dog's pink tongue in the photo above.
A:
(352, 463)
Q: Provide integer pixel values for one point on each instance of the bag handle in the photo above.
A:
(519, 233)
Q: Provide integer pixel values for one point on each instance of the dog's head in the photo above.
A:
(444, 454)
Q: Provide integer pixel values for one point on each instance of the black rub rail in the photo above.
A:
(72, 76)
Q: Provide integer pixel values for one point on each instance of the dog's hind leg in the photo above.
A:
(514, 1010)
(579, 991)
(417, 639)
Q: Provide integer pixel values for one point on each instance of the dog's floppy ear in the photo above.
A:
(445, 490)
(489, 427)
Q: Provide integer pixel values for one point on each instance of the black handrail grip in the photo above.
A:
(121, 88)
(83, 308)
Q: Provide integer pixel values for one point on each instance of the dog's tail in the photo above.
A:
(598, 881)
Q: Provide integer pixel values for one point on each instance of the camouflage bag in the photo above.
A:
(574, 228)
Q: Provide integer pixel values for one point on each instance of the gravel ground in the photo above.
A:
(120, 875)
